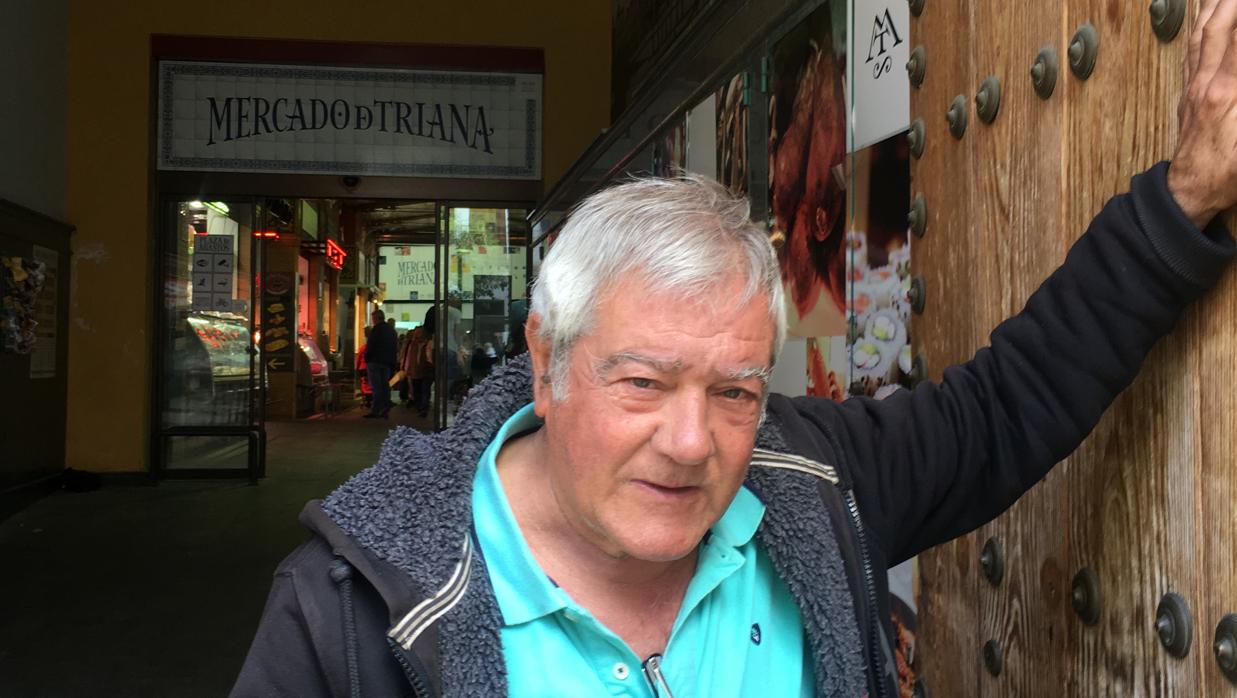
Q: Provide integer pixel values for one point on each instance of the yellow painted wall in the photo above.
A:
(108, 157)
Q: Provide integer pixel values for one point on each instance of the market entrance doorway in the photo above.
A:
(263, 307)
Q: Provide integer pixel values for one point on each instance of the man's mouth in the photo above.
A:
(668, 491)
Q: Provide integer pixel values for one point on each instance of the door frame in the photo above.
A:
(254, 430)
(442, 256)
(199, 185)
(171, 187)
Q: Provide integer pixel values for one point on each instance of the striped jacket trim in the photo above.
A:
(426, 613)
(787, 461)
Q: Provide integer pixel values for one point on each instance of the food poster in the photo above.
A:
(732, 120)
(278, 337)
(826, 367)
(807, 191)
(807, 178)
(670, 151)
(700, 146)
(878, 270)
(21, 283)
(839, 222)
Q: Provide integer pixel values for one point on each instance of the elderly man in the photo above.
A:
(628, 512)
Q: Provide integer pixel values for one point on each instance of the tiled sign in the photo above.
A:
(348, 121)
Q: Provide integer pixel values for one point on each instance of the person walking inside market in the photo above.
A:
(628, 511)
(417, 364)
(380, 360)
(399, 378)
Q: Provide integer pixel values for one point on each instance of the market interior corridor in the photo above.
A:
(128, 591)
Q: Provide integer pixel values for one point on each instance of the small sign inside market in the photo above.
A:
(335, 255)
(278, 341)
(256, 117)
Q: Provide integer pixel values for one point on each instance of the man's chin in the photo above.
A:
(663, 546)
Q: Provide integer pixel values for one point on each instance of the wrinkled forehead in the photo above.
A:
(636, 303)
(646, 288)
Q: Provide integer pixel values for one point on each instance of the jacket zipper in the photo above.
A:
(656, 679)
(419, 689)
(789, 462)
(874, 652)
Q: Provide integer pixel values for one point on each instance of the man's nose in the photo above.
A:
(684, 436)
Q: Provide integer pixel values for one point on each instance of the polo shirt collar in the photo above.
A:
(523, 591)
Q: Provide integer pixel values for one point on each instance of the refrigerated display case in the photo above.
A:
(213, 352)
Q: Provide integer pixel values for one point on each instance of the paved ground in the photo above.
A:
(156, 591)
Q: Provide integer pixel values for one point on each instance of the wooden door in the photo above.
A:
(1149, 502)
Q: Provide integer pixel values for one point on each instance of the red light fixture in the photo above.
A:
(270, 234)
(335, 255)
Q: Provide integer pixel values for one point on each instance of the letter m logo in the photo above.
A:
(883, 30)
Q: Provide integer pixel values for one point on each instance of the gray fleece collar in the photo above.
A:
(413, 509)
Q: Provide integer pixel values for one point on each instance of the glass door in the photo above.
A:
(483, 286)
(208, 392)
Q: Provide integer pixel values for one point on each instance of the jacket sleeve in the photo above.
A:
(935, 462)
(282, 660)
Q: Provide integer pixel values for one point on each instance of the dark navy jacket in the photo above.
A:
(382, 346)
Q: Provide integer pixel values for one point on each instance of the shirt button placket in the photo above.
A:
(620, 671)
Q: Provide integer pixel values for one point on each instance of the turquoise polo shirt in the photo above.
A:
(738, 632)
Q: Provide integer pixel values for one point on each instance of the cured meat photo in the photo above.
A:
(807, 192)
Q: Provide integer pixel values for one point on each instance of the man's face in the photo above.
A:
(654, 437)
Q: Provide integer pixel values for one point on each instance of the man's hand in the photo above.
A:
(1203, 175)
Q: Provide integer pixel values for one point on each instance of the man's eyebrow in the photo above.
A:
(761, 372)
(608, 364)
(603, 367)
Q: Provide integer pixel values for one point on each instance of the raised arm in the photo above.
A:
(933, 463)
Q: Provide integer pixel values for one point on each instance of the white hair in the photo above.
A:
(686, 235)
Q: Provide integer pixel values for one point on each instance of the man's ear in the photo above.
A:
(539, 349)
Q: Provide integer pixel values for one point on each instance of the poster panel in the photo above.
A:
(878, 261)
(732, 122)
(878, 256)
(406, 272)
(837, 216)
(700, 147)
(21, 283)
(807, 180)
(279, 322)
(43, 356)
(670, 151)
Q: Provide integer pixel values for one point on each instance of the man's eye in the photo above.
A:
(642, 383)
(734, 393)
